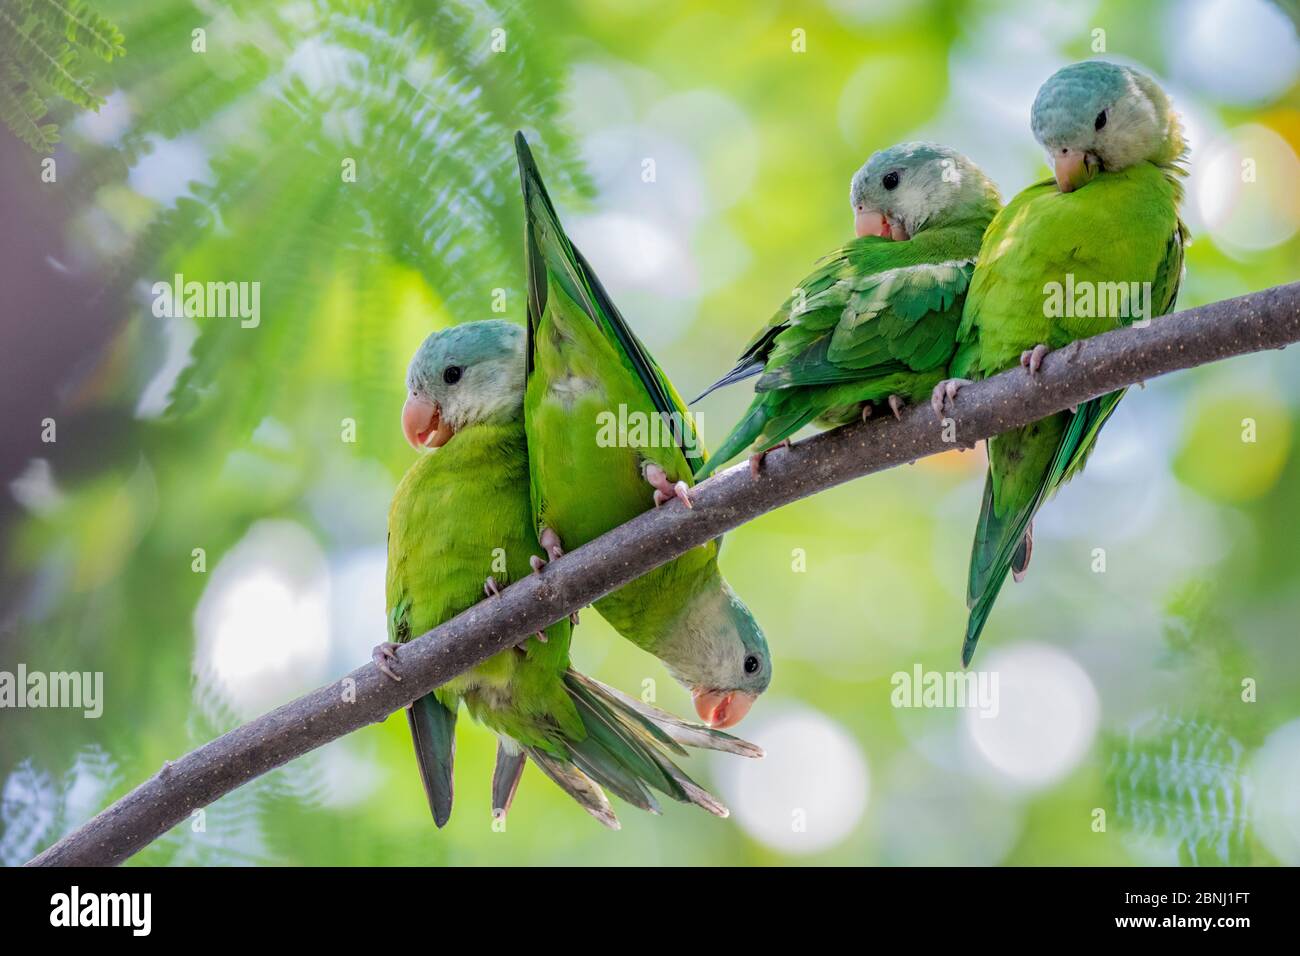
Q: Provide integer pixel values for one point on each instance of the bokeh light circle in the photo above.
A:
(1247, 189)
(808, 793)
(1047, 715)
(1275, 783)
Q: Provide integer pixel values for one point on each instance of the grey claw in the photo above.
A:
(945, 394)
(381, 655)
(681, 490)
(551, 543)
(1032, 359)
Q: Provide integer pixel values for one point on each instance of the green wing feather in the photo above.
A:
(877, 318)
(549, 250)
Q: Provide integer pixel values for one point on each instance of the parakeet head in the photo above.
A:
(718, 652)
(462, 376)
(1094, 116)
(914, 186)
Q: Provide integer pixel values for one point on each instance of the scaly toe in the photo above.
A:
(682, 492)
(551, 543)
(1032, 359)
(381, 655)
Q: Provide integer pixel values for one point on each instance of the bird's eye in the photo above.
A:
(1100, 120)
(751, 664)
(890, 180)
(452, 374)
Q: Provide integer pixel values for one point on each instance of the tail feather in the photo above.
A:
(682, 733)
(433, 730)
(1003, 543)
(606, 731)
(577, 785)
(1020, 560)
(639, 741)
(745, 368)
(505, 776)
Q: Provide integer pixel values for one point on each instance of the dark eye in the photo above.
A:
(890, 181)
(452, 374)
(751, 664)
(1100, 120)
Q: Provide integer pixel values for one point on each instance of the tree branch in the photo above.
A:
(1251, 323)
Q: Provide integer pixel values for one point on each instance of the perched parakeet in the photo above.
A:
(461, 525)
(1097, 247)
(877, 322)
(604, 426)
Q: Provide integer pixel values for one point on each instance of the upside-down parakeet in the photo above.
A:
(605, 426)
(877, 321)
(1097, 247)
(461, 525)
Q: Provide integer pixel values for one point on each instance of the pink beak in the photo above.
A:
(1071, 168)
(873, 222)
(422, 423)
(869, 222)
(722, 708)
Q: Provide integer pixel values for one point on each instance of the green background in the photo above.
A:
(1121, 689)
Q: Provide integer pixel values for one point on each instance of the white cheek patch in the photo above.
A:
(1132, 130)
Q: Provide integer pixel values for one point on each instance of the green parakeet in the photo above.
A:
(461, 524)
(877, 321)
(604, 426)
(1097, 247)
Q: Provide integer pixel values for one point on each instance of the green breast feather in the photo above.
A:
(460, 515)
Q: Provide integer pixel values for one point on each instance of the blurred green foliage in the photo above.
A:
(223, 429)
(43, 48)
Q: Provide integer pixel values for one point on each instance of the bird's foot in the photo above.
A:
(382, 654)
(756, 460)
(522, 646)
(573, 618)
(1032, 359)
(896, 405)
(490, 588)
(867, 410)
(665, 490)
(944, 395)
(551, 543)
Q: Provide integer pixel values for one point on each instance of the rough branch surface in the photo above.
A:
(1264, 320)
